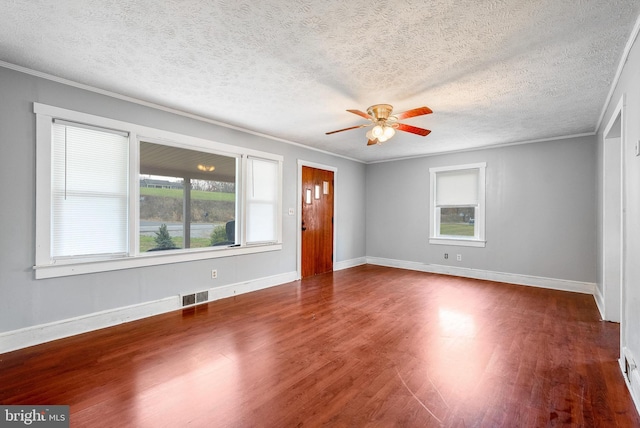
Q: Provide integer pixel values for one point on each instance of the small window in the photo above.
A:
(89, 191)
(262, 200)
(457, 205)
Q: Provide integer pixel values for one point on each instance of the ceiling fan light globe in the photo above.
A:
(389, 132)
(377, 131)
(382, 138)
(370, 135)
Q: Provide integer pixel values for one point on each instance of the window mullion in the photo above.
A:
(186, 212)
(134, 195)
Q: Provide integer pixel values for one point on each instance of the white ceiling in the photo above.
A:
(493, 71)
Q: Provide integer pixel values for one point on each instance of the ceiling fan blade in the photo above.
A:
(414, 112)
(372, 142)
(412, 129)
(361, 113)
(348, 129)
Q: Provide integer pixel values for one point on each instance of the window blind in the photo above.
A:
(262, 200)
(89, 200)
(457, 188)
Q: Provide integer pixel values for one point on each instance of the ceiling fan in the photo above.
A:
(385, 124)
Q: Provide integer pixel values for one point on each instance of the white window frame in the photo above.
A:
(46, 267)
(434, 212)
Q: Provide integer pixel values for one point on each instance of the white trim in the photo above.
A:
(487, 147)
(333, 169)
(346, 264)
(623, 220)
(618, 112)
(458, 242)
(599, 298)
(634, 388)
(633, 381)
(43, 190)
(35, 335)
(511, 278)
(230, 290)
(612, 120)
(477, 165)
(144, 260)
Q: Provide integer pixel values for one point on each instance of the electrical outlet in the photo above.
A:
(291, 211)
(446, 256)
(214, 273)
(459, 257)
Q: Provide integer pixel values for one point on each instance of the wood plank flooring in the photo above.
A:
(367, 346)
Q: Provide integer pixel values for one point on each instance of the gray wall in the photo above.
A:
(540, 210)
(26, 302)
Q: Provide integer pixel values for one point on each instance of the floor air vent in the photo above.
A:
(202, 296)
(195, 298)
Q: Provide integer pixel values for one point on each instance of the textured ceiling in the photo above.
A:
(494, 72)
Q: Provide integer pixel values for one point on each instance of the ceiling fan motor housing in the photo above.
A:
(380, 111)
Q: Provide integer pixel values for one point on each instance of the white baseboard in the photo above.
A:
(346, 264)
(599, 298)
(634, 387)
(231, 290)
(30, 336)
(511, 278)
(633, 382)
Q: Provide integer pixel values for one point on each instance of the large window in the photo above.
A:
(187, 198)
(457, 205)
(113, 195)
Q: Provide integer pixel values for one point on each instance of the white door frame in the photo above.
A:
(614, 133)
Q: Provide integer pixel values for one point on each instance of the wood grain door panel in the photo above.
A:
(317, 221)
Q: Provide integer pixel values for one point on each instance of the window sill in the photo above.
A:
(144, 260)
(459, 242)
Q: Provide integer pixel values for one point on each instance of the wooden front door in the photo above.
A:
(317, 221)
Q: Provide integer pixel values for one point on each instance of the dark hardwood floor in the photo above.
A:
(367, 346)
